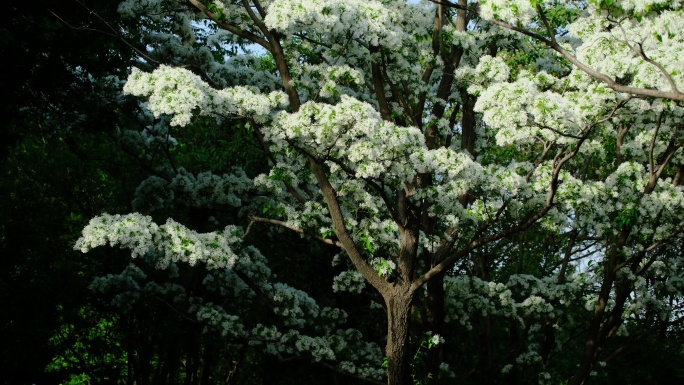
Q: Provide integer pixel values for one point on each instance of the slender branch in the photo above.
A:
(379, 189)
(160, 299)
(568, 254)
(672, 148)
(641, 336)
(678, 176)
(230, 27)
(167, 151)
(446, 245)
(545, 21)
(618, 148)
(259, 8)
(399, 97)
(650, 248)
(138, 159)
(672, 95)
(650, 262)
(114, 33)
(477, 243)
(452, 123)
(265, 300)
(501, 210)
(437, 25)
(561, 133)
(256, 19)
(288, 226)
(310, 40)
(640, 52)
(545, 151)
(585, 247)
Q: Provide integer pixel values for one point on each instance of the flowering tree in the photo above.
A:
(428, 141)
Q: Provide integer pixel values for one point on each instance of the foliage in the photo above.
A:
(502, 173)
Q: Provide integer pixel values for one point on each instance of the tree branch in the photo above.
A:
(230, 27)
(477, 243)
(377, 84)
(342, 233)
(672, 95)
(640, 52)
(113, 33)
(288, 226)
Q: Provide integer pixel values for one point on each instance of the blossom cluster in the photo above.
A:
(171, 242)
(375, 21)
(180, 92)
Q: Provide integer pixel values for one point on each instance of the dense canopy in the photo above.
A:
(384, 191)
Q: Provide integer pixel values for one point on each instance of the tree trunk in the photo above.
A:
(596, 333)
(468, 123)
(398, 351)
(486, 348)
(601, 332)
(486, 343)
(434, 310)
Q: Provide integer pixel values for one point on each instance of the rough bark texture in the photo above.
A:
(398, 350)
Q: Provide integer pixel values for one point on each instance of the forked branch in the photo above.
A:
(673, 94)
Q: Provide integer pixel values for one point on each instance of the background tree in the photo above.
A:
(52, 181)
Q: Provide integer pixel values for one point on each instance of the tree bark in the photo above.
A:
(397, 350)
(468, 123)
